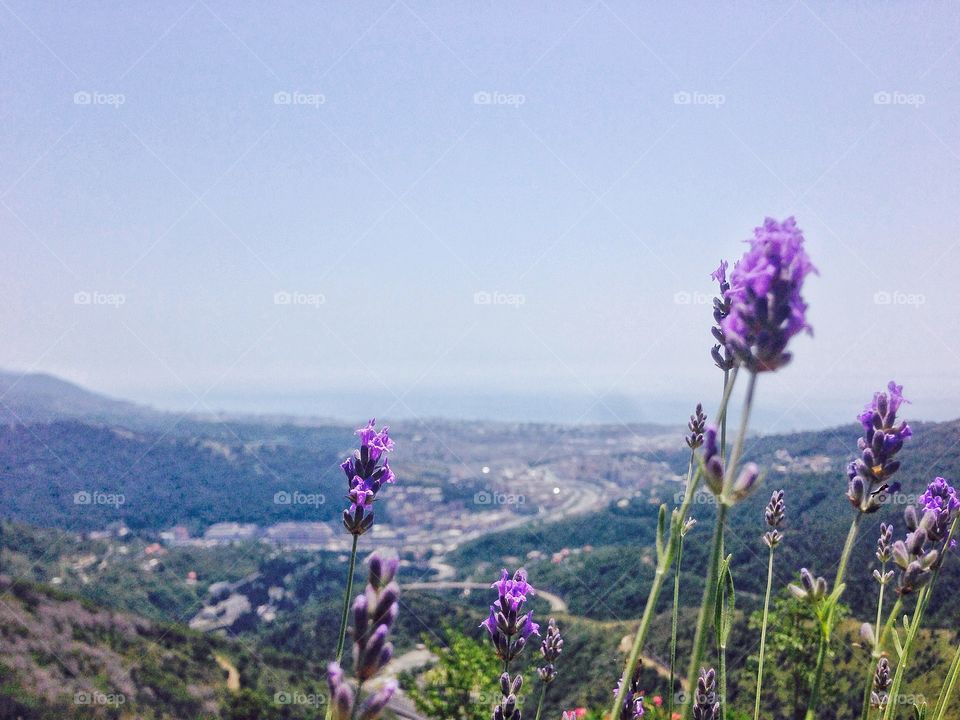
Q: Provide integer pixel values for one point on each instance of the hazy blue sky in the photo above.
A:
(585, 163)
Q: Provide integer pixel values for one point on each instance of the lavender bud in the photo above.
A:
(550, 649)
(340, 693)
(884, 542)
(745, 481)
(706, 704)
(374, 705)
(696, 426)
(687, 526)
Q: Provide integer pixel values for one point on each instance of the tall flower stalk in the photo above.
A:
(773, 515)
(675, 613)
(868, 486)
(510, 627)
(367, 470)
(550, 649)
(874, 636)
(667, 544)
(723, 624)
(764, 309)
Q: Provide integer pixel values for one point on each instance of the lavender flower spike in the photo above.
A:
(631, 697)
(341, 694)
(941, 500)
(882, 439)
(766, 307)
(550, 648)
(773, 514)
(367, 470)
(721, 308)
(698, 422)
(509, 627)
(706, 705)
(374, 613)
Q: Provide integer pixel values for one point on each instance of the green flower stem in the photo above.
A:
(950, 684)
(674, 617)
(763, 634)
(878, 639)
(664, 562)
(708, 603)
(883, 585)
(543, 694)
(709, 600)
(346, 599)
(904, 659)
(826, 622)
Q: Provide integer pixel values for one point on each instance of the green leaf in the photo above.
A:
(726, 602)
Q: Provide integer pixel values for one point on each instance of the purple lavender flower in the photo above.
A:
(721, 308)
(507, 708)
(881, 684)
(712, 464)
(696, 426)
(550, 648)
(509, 627)
(631, 697)
(883, 437)
(713, 471)
(941, 500)
(773, 515)
(374, 613)
(811, 589)
(367, 470)
(706, 705)
(928, 524)
(766, 307)
(342, 697)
